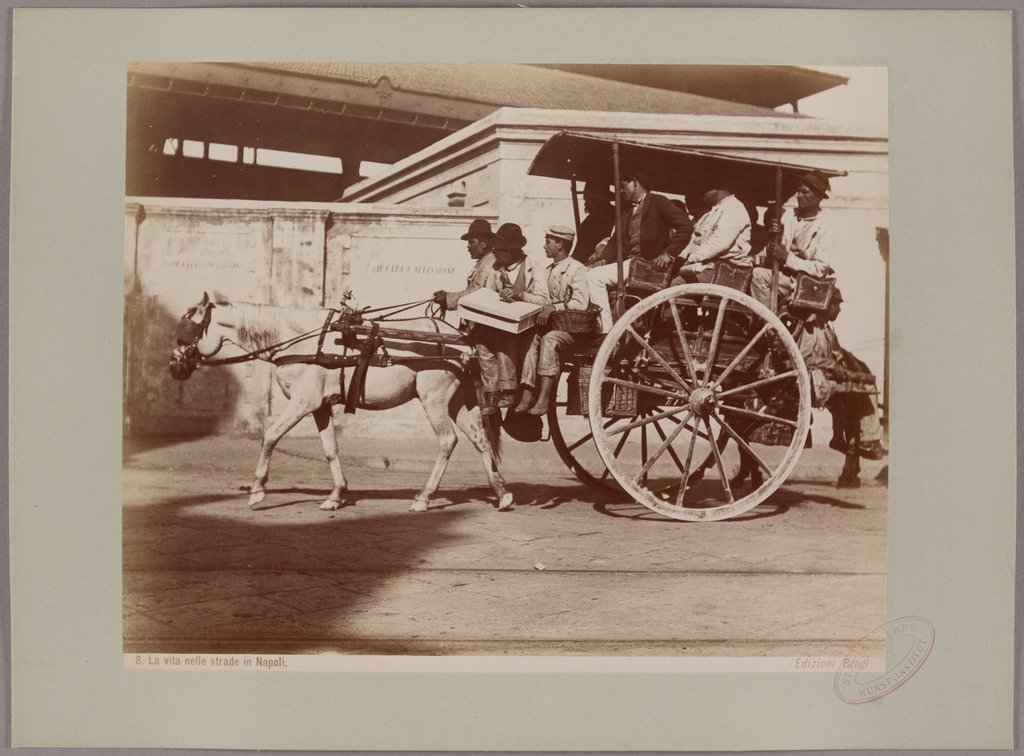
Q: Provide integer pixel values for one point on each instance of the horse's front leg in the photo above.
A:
(470, 422)
(324, 420)
(296, 409)
(446, 442)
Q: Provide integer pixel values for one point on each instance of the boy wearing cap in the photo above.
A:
(513, 278)
(807, 242)
(478, 242)
(566, 290)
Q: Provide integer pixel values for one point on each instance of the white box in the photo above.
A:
(484, 306)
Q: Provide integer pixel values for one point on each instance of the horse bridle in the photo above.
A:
(185, 358)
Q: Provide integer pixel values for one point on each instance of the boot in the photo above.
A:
(544, 395)
(850, 476)
(526, 401)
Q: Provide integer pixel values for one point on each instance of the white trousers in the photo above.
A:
(598, 281)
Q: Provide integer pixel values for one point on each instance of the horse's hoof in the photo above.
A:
(419, 505)
(257, 498)
(330, 505)
(505, 502)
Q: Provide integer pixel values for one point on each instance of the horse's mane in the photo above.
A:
(262, 326)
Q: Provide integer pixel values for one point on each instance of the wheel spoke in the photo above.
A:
(666, 444)
(758, 384)
(696, 428)
(739, 357)
(644, 387)
(618, 447)
(715, 337)
(643, 452)
(658, 358)
(742, 443)
(718, 461)
(648, 419)
(759, 415)
(686, 346)
(671, 451)
(686, 470)
(576, 445)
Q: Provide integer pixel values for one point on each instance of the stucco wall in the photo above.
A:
(280, 255)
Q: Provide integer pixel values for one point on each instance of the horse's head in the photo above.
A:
(196, 339)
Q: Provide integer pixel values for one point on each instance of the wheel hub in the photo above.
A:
(702, 402)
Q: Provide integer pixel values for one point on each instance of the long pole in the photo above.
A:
(774, 301)
(618, 229)
(575, 205)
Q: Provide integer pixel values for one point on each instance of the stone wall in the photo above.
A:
(279, 255)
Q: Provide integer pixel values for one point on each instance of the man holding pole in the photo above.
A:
(645, 227)
(803, 241)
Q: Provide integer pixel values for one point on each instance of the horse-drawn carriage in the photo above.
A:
(648, 410)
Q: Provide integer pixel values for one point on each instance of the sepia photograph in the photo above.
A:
(512, 379)
(505, 360)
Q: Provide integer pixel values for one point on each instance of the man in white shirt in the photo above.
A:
(567, 290)
(721, 234)
(807, 243)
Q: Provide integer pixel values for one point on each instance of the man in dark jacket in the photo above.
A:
(652, 227)
(598, 223)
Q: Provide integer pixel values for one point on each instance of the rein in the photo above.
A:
(186, 358)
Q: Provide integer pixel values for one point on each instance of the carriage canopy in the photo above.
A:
(670, 169)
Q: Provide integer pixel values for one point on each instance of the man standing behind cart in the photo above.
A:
(721, 234)
(598, 224)
(806, 245)
(567, 290)
(478, 242)
(646, 227)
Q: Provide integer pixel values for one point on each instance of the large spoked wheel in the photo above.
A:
(710, 363)
(574, 441)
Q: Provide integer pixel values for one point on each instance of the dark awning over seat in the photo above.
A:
(675, 170)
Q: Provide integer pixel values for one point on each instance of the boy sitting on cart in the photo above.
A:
(566, 290)
(499, 352)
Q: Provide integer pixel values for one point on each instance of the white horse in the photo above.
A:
(441, 386)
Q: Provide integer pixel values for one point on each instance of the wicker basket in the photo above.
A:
(812, 293)
(732, 275)
(577, 387)
(645, 277)
(576, 321)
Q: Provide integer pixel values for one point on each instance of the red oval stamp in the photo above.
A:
(908, 640)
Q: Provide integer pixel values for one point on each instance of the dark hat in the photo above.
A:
(509, 236)
(561, 232)
(640, 176)
(818, 182)
(478, 229)
(597, 190)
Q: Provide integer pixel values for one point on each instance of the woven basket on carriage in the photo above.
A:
(645, 277)
(577, 386)
(810, 293)
(576, 321)
(619, 401)
(732, 275)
